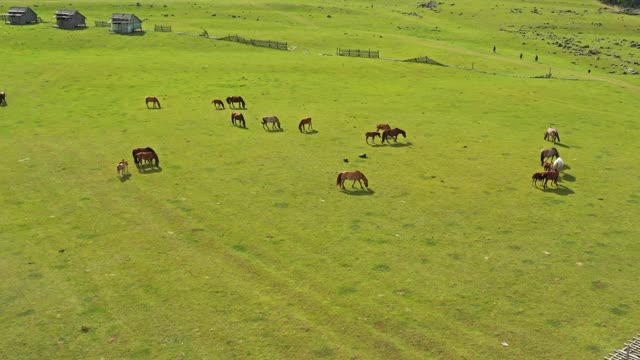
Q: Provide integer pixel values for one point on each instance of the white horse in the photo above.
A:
(558, 165)
(552, 135)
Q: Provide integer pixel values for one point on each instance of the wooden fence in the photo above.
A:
(162, 28)
(374, 54)
(264, 43)
(424, 60)
(102, 24)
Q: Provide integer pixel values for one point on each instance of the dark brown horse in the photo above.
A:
(393, 133)
(236, 116)
(548, 154)
(3, 98)
(372, 135)
(135, 152)
(539, 176)
(145, 156)
(303, 122)
(275, 122)
(551, 175)
(153, 100)
(218, 104)
(552, 135)
(383, 127)
(352, 175)
(231, 100)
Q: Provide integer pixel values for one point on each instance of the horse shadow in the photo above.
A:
(562, 145)
(359, 192)
(311, 132)
(154, 108)
(568, 177)
(149, 170)
(274, 130)
(125, 177)
(560, 190)
(375, 145)
(400, 144)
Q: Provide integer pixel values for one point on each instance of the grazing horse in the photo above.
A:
(153, 100)
(273, 120)
(548, 154)
(352, 175)
(236, 116)
(551, 175)
(3, 98)
(393, 133)
(218, 104)
(235, 99)
(552, 135)
(147, 156)
(558, 165)
(539, 176)
(135, 152)
(304, 122)
(372, 135)
(383, 127)
(547, 166)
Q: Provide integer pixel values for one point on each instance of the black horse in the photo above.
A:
(235, 99)
(135, 152)
(3, 98)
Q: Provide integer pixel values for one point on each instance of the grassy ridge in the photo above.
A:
(242, 246)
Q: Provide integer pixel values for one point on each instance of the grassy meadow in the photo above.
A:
(240, 246)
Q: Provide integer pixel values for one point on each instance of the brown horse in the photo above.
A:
(551, 135)
(153, 100)
(123, 167)
(393, 133)
(145, 156)
(383, 127)
(352, 175)
(303, 122)
(275, 122)
(235, 99)
(135, 152)
(218, 104)
(236, 116)
(548, 154)
(539, 176)
(372, 135)
(3, 98)
(547, 166)
(551, 175)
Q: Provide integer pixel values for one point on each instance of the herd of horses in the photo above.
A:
(387, 133)
(551, 169)
(144, 157)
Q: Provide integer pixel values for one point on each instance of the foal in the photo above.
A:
(372, 135)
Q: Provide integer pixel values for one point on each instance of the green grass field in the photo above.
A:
(242, 247)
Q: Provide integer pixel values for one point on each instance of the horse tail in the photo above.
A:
(339, 180)
(133, 154)
(542, 157)
(229, 100)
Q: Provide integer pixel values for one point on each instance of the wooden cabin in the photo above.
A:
(20, 16)
(70, 19)
(125, 23)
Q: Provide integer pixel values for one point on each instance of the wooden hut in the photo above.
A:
(20, 16)
(70, 19)
(125, 23)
